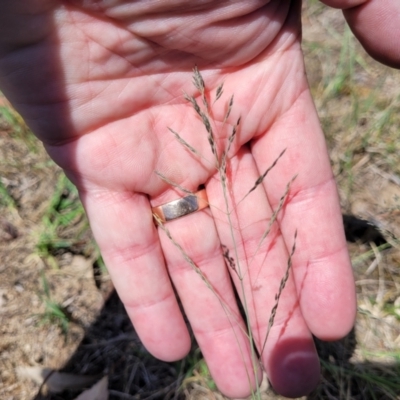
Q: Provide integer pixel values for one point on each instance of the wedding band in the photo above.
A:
(181, 207)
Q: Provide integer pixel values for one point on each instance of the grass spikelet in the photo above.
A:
(225, 153)
(230, 261)
(210, 137)
(274, 216)
(232, 135)
(219, 92)
(184, 143)
(262, 177)
(228, 112)
(198, 82)
(173, 184)
(194, 103)
(206, 123)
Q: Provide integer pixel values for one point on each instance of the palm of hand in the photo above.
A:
(124, 83)
(119, 83)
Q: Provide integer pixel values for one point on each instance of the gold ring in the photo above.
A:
(181, 207)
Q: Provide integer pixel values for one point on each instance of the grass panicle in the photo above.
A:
(232, 260)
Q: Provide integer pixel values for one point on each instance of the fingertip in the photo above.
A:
(294, 368)
(168, 350)
(234, 390)
(338, 326)
(171, 352)
(329, 307)
(166, 339)
(230, 363)
(343, 4)
(376, 26)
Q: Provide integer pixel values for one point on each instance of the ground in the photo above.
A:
(57, 305)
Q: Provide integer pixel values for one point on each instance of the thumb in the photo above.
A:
(25, 22)
(376, 24)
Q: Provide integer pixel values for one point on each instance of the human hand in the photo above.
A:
(100, 82)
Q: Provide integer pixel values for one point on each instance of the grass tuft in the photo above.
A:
(54, 313)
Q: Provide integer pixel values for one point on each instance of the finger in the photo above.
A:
(123, 228)
(24, 23)
(321, 264)
(258, 261)
(343, 4)
(376, 24)
(196, 266)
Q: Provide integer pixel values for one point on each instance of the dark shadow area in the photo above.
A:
(339, 351)
(342, 378)
(360, 230)
(111, 347)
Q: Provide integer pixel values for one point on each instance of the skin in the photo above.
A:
(99, 82)
(376, 25)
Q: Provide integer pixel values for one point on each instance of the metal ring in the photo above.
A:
(181, 207)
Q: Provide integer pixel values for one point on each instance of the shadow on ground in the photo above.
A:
(111, 347)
